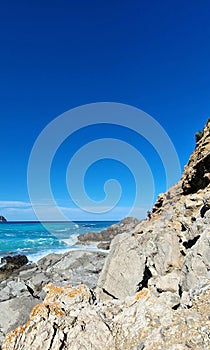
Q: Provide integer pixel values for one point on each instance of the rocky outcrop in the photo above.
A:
(73, 318)
(196, 265)
(169, 253)
(12, 263)
(23, 289)
(158, 257)
(197, 172)
(105, 237)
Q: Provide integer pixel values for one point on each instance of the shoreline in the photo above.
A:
(35, 240)
(94, 238)
(39, 256)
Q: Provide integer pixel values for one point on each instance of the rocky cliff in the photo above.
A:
(153, 291)
(169, 254)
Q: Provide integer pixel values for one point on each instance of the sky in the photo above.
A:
(59, 55)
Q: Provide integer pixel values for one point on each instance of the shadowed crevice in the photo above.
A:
(109, 294)
(191, 242)
(144, 283)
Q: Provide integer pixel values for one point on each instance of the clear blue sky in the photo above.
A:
(57, 55)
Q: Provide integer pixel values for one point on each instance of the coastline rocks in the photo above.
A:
(167, 256)
(170, 252)
(23, 289)
(104, 245)
(105, 236)
(153, 291)
(12, 263)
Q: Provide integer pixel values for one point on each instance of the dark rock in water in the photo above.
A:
(2, 219)
(17, 260)
(12, 263)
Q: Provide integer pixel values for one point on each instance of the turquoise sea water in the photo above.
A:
(36, 240)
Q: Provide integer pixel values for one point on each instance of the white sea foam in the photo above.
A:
(71, 240)
(62, 230)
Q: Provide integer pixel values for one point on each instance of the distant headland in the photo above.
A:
(2, 219)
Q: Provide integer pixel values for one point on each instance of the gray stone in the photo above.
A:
(123, 268)
(196, 263)
(24, 288)
(15, 312)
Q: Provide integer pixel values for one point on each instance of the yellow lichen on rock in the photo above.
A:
(11, 337)
(142, 294)
(54, 292)
(38, 310)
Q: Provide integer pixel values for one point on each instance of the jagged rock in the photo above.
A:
(197, 172)
(24, 288)
(72, 318)
(159, 202)
(2, 219)
(107, 235)
(196, 264)
(167, 283)
(163, 244)
(15, 311)
(124, 269)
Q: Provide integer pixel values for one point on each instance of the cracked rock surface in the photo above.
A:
(24, 288)
(70, 318)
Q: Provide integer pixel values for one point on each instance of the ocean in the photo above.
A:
(35, 239)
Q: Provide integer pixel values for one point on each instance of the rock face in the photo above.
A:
(169, 253)
(73, 318)
(153, 291)
(197, 171)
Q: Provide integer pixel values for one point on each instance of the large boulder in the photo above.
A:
(123, 268)
(135, 261)
(196, 266)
